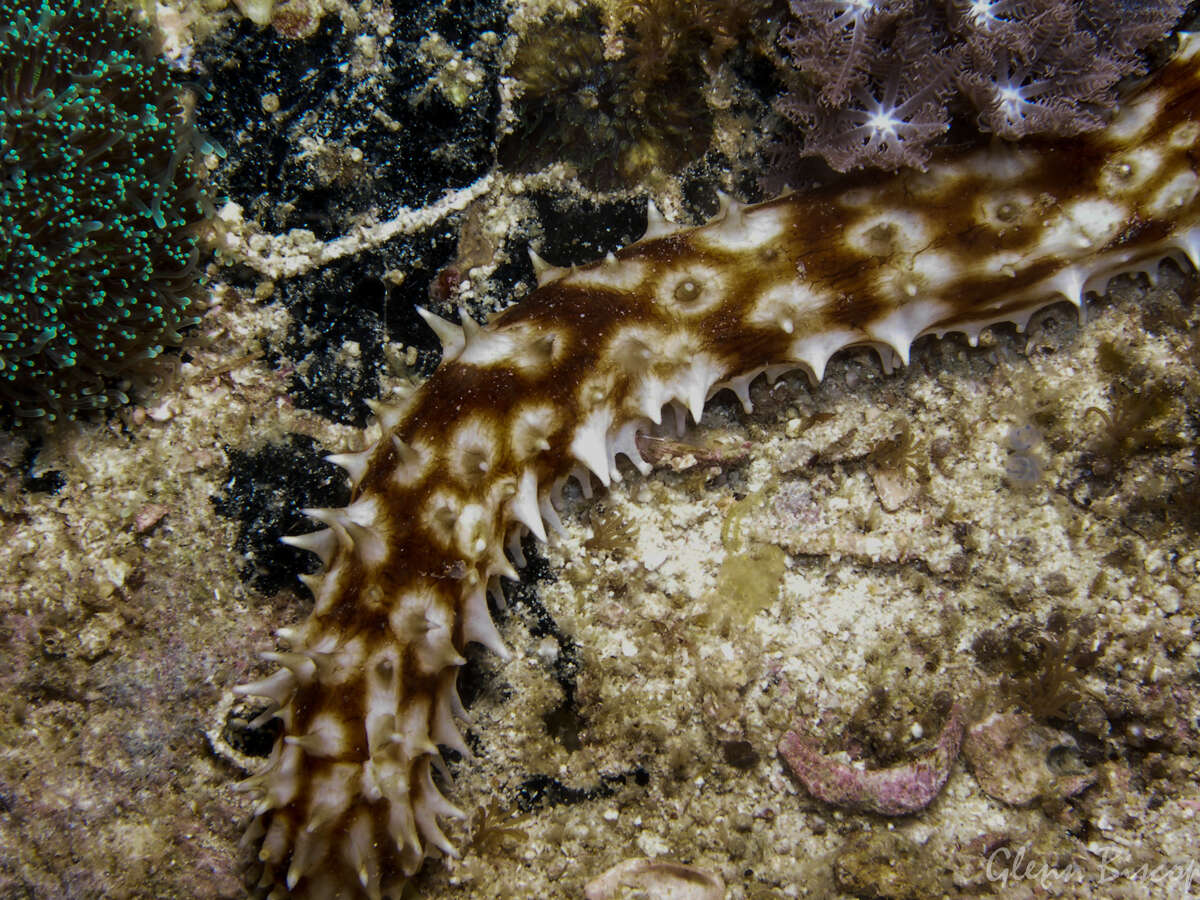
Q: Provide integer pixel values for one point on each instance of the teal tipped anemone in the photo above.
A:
(100, 208)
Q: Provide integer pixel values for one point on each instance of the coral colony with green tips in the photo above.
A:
(99, 206)
(456, 211)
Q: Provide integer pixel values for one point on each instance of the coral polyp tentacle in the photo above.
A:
(559, 385)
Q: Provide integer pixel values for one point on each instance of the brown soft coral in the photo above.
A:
(893, 103)
(876, 82)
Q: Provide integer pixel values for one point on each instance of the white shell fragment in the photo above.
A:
(655, 879)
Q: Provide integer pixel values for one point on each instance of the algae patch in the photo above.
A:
(752, 572)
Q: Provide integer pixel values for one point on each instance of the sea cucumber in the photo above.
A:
(560, 385)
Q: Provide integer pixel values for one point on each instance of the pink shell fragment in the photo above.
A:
(895, 791)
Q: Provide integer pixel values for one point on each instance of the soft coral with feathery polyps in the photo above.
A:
(878, 81)
(892, 114)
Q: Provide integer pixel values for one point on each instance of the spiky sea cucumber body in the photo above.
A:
(559, 385)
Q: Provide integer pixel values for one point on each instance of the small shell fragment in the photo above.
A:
(655, 879)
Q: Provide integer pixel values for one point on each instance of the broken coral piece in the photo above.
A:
(655, 879)
(714, 452)
(1018, 761)
(895, 791)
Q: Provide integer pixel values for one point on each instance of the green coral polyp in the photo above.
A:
(100, 210)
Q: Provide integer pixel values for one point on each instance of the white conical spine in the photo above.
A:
(1069, 282)
(544, 271)
(1189, 244)
(724, 203)
(434, 806)
(301, 665)
(450, 335)
(406, 454)
(589, 444)
(740, 385)
(322, 543)
(355, 464)
(657, 225)
(624, 443)
(478, 625)
(550, 514)
(448, 709)
(514, 544)
(389, 414)
(470, 328)
(695, 382)
(277, 687)
(524, 505)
